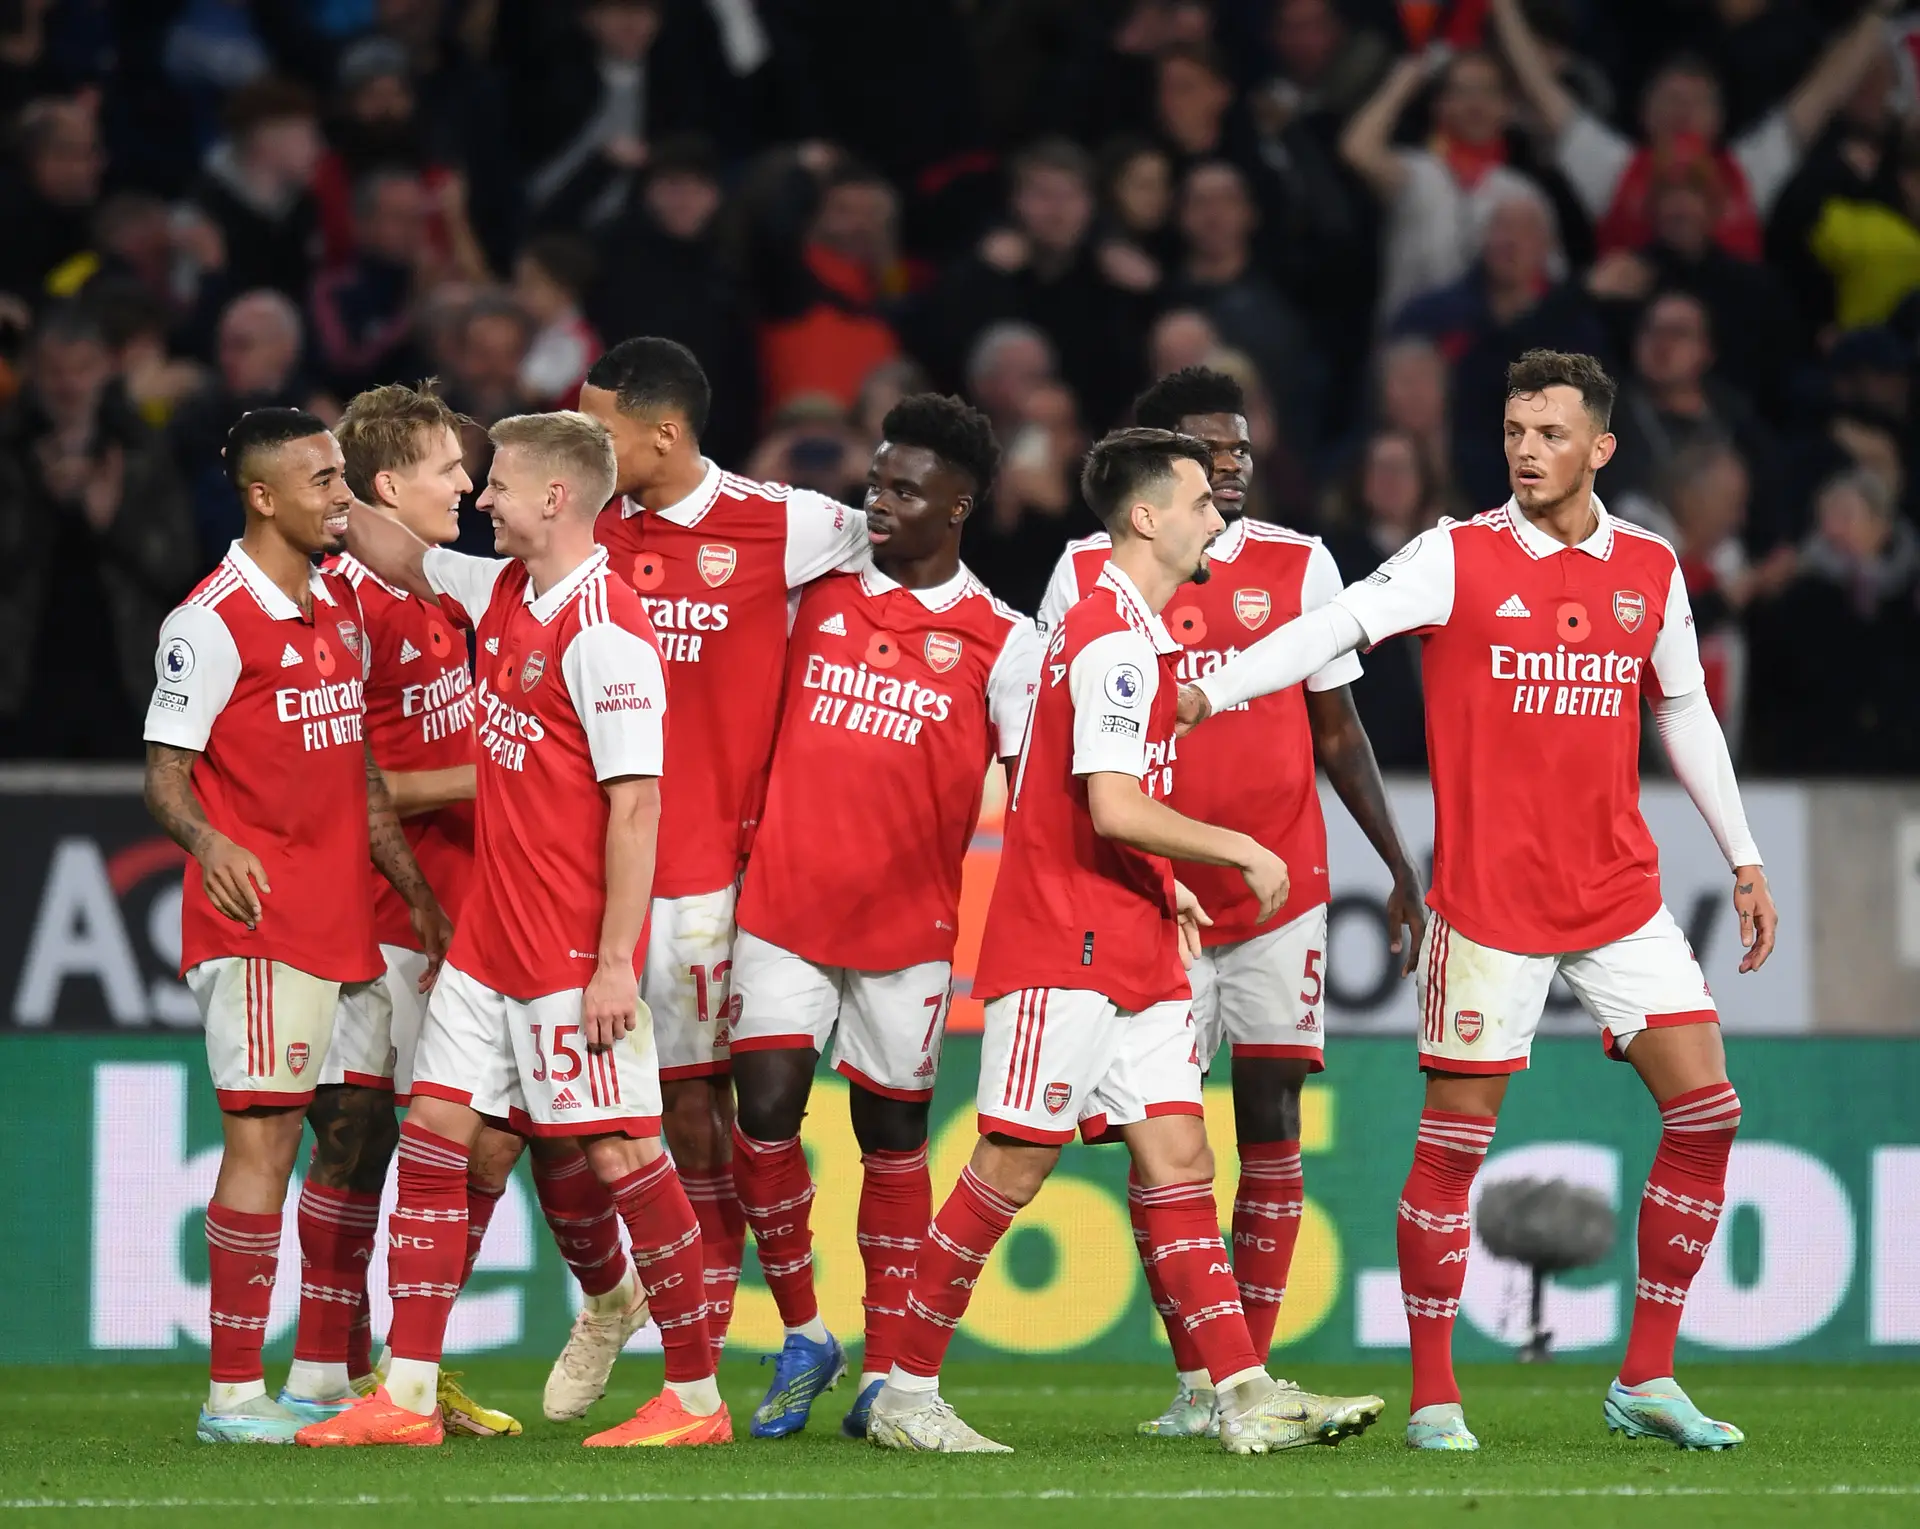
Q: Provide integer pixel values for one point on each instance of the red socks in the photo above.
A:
(1678, 1214)
(723, 1235)
(1183, 1228)
(243, 1256)
(426, 1241)
(580, 1214)
(775, 1196)
(896, 1203)
(1266, 1225)
(668, 1257)
(974, 1218)
(1186, 1357)
(1434, 1233)
(480, 1207)
(337, 1229)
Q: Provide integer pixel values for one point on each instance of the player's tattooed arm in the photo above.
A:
(233, 876)
(1344, 751)
(355, 1132)
(393, 858)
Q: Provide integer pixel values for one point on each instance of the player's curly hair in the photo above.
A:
(952, 429)
(1538, 370)
(1191, 390)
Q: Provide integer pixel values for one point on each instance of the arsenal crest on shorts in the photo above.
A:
(716, 563)
(297, 1054)
(532, 669)
(1252, 606)
(1056, 1097)
(942, 650)
(1467, 1024)
(1629, 609)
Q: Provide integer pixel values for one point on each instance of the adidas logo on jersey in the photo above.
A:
(408, 652)
(1511, 606)
(289, 657)
(564, 1100)
(835, 625)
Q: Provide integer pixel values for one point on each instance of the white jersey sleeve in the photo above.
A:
(1767, 154)
(1676, 651)
(465, 580)
(823, 536)
(1322, 586)
(1063, 592)
(194, 670)
(1410, 590)
(1012, 684)
(1113, 680)
(620, 694)
(1593, 157)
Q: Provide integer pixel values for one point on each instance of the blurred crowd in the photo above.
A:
(1361, 209)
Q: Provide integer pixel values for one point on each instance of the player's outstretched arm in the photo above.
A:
(1344, 751)
(1697, 749)
(393, 858)
(233, 876)
(413, 792)
(633, 829)
(389, 549)
(1302, 647)
(1123, 812)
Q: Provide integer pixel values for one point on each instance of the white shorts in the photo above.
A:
(886, 1026)
(1266, 996)
(1480, 1007)
(377, 1026)
(268, 1028)
(525, 1063)
(1053, 1059)
(686, 981)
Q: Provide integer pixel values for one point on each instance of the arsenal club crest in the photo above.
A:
(350, 635)
(1056, 1097)
(1252, 606)
(297, 1054)
(1629, 609)
(716, 563)
(942, 650)
(1467, 1024)
(532, 669)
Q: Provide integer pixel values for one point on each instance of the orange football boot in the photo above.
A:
(665, 1423)
(374, 1419)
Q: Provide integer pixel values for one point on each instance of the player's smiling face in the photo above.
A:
(915, 503)
(1553, 446)
(426, 495)
(1232, 447)
(305, 491)
(517, 499)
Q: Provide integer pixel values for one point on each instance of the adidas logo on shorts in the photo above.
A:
(408, 652)
(835, 625)
(289, 657)
(564, 1100)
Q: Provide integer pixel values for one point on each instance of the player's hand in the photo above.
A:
(1759, 923)
(234, 878)
(607, 1007)
(1266, 875)
(1192, 918)
(1406, 909)
(1195, 708)
(434, 930)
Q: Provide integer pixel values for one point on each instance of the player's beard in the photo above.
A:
(1544, 501)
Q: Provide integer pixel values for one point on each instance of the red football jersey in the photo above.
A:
(271, 700)
(419, 717)
(571, 692)
(1534, 656)
(897, 702)
(713, 573)
(1262, 577)
(1071, 909)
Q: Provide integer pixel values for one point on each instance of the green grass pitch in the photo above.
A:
(1826, 1445)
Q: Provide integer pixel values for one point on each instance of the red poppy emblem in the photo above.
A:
(716, 563)
(1252, 606)
(649, 569)
(942, 650)
(1570, 623)
(323, 656)
(883, 650)
(1629, 609)
(439, 642)
(509, 672)
(1188, 626)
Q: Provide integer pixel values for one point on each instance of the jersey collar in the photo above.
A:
(690, 510)
(1227, 545)
(1538, 544)
(360, 570)
(1140, 616)
(939, 598)
(269, 596)
(549, 605)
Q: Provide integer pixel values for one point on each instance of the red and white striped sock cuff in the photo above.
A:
(430, 1150)
(643, 1181)
(244, 1232)
(566, 1168)
(752, 1146)
(1471, 1134)
(709, 1186)
(993, 1207)
(340, 1208)
(1177, 1194)
(883, 1163)
(1713, 1108)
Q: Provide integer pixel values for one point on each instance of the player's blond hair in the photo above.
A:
(391, 427)
(574, 444)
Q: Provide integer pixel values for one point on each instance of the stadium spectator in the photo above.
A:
(1136, 198)
(1411, 387)
(1036, 505)
(363, 310)
(1180, 337)
(97, 543)
(1007, 363)
(1327, 67)
(256, 188)
(47, 202)
(487, 350)
(550, 280)
(1840, 646)
(1871, 248)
